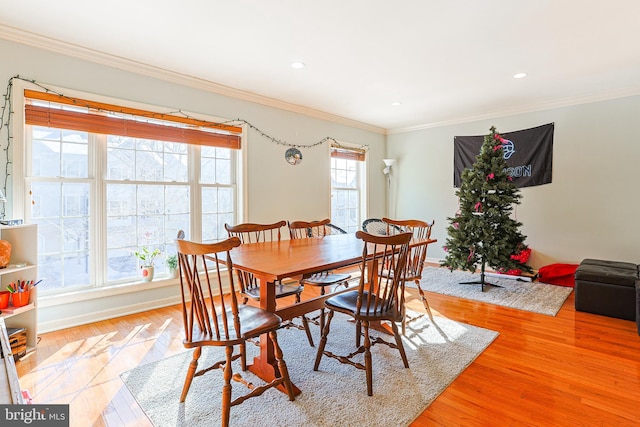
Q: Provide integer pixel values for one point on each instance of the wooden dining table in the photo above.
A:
(271, 262)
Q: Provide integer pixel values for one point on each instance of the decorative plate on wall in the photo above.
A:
(293, 156)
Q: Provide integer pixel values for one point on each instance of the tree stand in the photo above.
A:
(481, 281)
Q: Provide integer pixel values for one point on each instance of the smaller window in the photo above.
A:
(347, 187)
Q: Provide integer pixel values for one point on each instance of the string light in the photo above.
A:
(5, 121)
(7, 112)
(280, 142)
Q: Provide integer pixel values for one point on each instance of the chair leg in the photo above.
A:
(322, 292)
(358, 332)
(282, 366)
(424, 301)
(226, 388)
(190, 373)
(243, 356)
(323, 340)
(321, 319)
(399, 344)
(305, 323)
(367, 358)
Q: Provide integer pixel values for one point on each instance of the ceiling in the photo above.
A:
(444, 61)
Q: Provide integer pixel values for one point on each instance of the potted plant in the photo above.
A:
(146, 258)
(172, 264)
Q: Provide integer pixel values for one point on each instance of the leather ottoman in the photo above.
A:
(607, 288)
(638, 305)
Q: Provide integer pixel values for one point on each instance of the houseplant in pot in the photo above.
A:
(172, 264)
(146, 258)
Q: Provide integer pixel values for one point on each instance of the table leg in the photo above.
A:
(265, 365)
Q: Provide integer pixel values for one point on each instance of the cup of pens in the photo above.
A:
(21, 292)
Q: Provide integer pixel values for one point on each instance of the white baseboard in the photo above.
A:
(109, 313)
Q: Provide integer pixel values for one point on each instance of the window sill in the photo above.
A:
(103, 292)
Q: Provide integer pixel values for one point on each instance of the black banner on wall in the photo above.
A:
(528, 152)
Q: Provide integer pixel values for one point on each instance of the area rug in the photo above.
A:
(529, 296)
(336, 395)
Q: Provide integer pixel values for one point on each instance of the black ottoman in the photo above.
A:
(607, 288)
(638, 305)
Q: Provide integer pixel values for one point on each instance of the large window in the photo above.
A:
(100, 193)
(347, 187)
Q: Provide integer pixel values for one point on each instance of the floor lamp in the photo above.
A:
(388, 163)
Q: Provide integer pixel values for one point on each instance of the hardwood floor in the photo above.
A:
(574, 369)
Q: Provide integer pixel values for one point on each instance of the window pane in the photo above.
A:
(59, 153)
(76, 234)
(175, 167)
(216, 165)
(149, 166)
(150, 199)
(63, 234)
(121, 265)
(120, 164)
(217, 209)
(45, 198)
(143, 215)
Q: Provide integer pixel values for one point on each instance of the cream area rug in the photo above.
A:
(335, 395)
(529, 296)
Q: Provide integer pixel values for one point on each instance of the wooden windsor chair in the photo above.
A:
(250, 288)
(378, 298)
(213, 317)
(421, 232)
(324, 279)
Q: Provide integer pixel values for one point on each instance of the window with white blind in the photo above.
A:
(347, 187)
(107, 180)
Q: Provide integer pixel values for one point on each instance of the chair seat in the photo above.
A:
(346, 302)
(254, 321)
(326, 279)
(282, 290)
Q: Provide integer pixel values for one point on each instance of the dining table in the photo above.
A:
(275, 261)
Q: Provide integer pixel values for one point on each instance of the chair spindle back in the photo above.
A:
(206, 297)
(306, 229)
(421, 232)
(256, 233)
(380, 288)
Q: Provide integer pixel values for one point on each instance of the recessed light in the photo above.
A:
(519, 75)
(297, 65)
(395, 104)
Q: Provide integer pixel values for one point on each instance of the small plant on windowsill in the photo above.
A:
(147, 258)
(172, 264)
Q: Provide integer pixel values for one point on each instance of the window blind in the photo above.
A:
(97, 117)
(347, 153)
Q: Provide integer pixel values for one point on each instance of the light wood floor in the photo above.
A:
(575, 369)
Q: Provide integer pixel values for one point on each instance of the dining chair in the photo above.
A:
(249, 286)
(213, 317)
(324, 279)
(417, 255)
(378, 298)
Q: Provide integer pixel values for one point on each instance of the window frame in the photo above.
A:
(361, 160)
(22, 178)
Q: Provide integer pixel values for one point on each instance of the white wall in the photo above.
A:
(589, 209)
(276, 190)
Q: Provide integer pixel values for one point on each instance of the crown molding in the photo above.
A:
(69, 49)
(560, 103)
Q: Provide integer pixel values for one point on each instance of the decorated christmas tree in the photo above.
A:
(483, 232)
